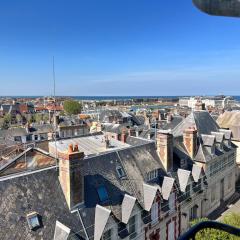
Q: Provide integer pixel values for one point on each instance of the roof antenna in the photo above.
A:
(54, 110)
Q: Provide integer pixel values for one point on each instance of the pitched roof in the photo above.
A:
(38, 191)
(201, 120)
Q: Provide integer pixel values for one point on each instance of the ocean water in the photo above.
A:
(109, 97)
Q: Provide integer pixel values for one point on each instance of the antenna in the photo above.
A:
(54, 108)
(54, 82)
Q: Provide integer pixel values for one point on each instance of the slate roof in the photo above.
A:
(176, 120)
(41, 128)
(37, 191)
(208, 133)
(101, 171)
(201, 120)
(108, 113)
(113, 128)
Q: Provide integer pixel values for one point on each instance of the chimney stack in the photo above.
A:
(99, 127)
(190, 141)
(75, 148)
(71, 177)
(56, 120)
(199, 106)
(131, 132)
(124, 136)
(169, 118)
(165, 148)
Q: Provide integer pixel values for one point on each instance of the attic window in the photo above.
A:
(102, 193)
(33, 220)
(152, 175)
(120, 172)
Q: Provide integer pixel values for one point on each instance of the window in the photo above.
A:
(154, 213)
(230, 181)
(171, 203)
(132, 227)
(120, 172)
(183, 163)
(152, 175)
(33, 220)
(193, 213)
(102, 193)
(107, 235)
(213, 193)
(188, 191)
(171, 231)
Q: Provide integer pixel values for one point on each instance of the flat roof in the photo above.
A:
(90, 145)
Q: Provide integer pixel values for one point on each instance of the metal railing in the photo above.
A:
(191, 233)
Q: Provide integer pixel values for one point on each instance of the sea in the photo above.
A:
(237, 98)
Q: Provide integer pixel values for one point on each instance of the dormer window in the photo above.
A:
(33, 220)
(120, 172)
(102, 193)
(152, 175)
(183, 163)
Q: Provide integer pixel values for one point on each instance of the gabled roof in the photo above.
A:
(201, 120)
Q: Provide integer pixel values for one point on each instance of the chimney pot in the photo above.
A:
(70, 148)
(76, 148)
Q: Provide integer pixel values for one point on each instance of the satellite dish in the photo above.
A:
(229, 8)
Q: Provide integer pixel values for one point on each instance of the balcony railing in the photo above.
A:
(191, 233)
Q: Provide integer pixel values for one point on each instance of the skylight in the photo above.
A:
(33, 220)
(120, 172)
(102, 193)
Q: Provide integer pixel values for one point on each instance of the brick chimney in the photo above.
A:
(190, 141)
(124, 136)
(70, 175)
(165, 149)
(131, 132)
(99, 127)
(169, 118)
(199, 106)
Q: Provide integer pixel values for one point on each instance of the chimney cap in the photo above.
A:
(168, 131)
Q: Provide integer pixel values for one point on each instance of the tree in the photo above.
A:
(45, 118)
(6, 121)
(19, 118)
(30, 118)
(72, 107)
(232, 219)
(38, 117)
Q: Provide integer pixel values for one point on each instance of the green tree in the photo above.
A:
(213, 234)
(6, 121)
(72, 107)
(19, 118)
(38, 117)
(30, 118)
(45, 117)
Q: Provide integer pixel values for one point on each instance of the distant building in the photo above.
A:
(216, 102)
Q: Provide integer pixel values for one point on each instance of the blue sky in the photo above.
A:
(117, 47)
